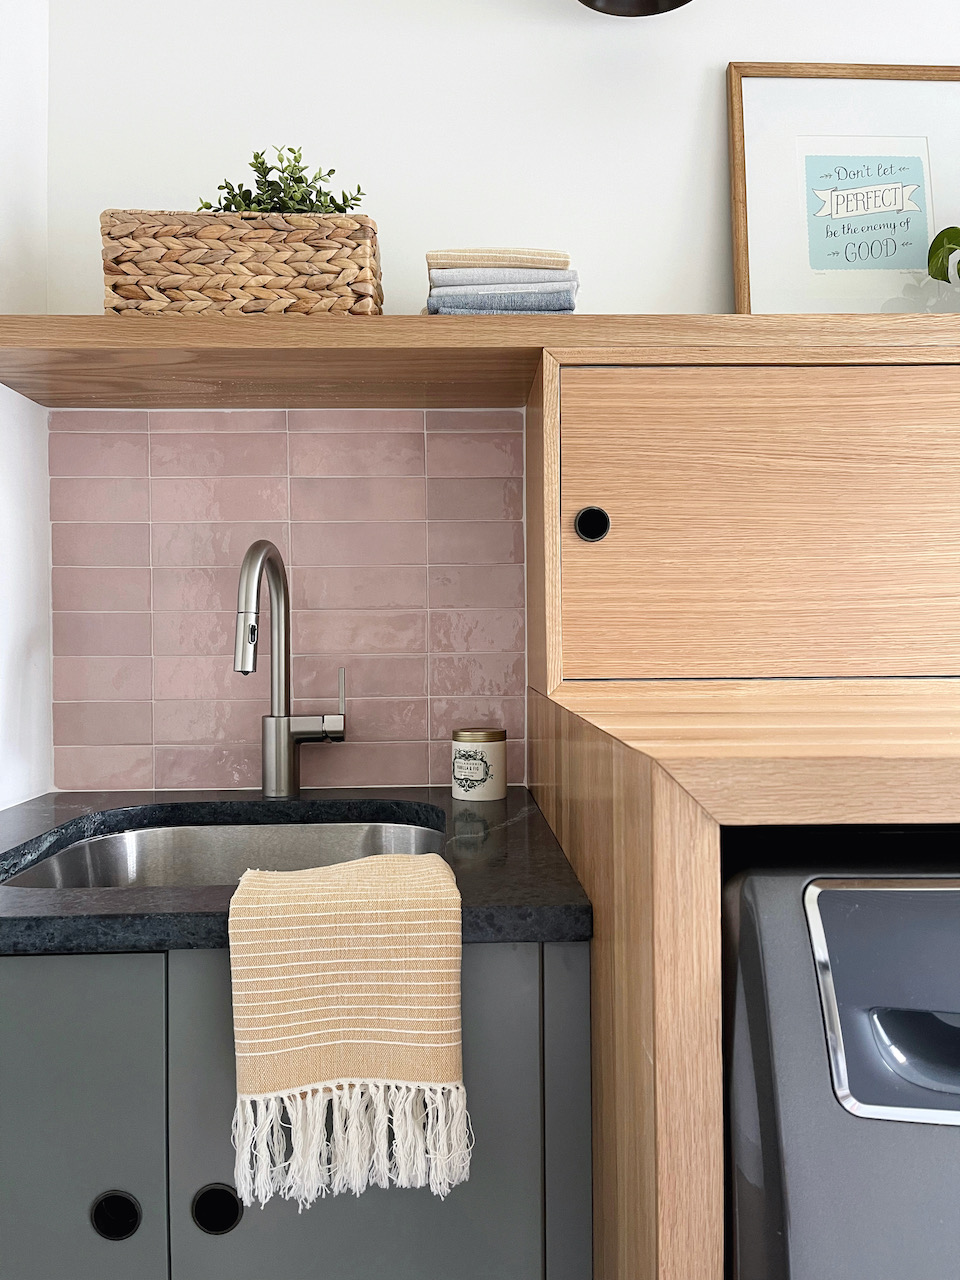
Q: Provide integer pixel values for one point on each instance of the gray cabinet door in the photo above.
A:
(82, 1112)
(491, 1228)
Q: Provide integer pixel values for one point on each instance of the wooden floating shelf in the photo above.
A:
(405, 361)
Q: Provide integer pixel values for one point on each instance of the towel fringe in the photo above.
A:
(348, 1136)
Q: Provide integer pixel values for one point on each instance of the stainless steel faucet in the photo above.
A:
(282, 732)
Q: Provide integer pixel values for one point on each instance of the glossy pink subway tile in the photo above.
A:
(155, 511)
(210, 544)
(209, 677)
(447, 714)
(219, 454)
(210, 498)
(189, 768)
(198, 720)
(474, 542)
(475, 454)
(343, 420)
(198, 633)
(474, 420)
(76, 634)
(357, 454)
(367, 498)
(89, 498)
(100, 679)
(476, 630)
(397, 542)
(359, 587)
(125, 420)
(365, 764)
(114, 545)
(202, 421)
(106, 769)
(375, 719)
(101, 589)
(456, 499)
(359, 631)
(403, 676)
(479, 586)
(95, 724)
(99, 454)
(477, 674)
(202, 589)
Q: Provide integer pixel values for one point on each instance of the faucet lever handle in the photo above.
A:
(342, 684)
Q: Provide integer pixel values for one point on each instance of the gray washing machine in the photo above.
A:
(844, 1077)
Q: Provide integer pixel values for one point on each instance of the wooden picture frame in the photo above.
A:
(737, 73)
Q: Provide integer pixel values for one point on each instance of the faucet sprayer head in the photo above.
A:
(245, 649)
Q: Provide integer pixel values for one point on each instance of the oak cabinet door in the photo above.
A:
(82, 1113)
(764, 521)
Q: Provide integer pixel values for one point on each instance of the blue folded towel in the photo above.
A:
(446, 276)
(561, 298)
(444, 310)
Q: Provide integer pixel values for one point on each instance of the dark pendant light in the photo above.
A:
(633, 8)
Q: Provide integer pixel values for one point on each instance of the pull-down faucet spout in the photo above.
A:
(282, 732)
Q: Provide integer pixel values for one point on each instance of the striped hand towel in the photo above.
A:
(346, 1011)
(543, 258)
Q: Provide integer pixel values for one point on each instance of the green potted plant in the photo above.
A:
(286, 246)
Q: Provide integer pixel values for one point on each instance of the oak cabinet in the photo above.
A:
(764, 521)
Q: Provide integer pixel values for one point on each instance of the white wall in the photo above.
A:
(23, 156)
(475, 121)
(26, 731)
(26, 751)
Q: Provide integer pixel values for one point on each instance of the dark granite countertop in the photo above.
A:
(515, 883)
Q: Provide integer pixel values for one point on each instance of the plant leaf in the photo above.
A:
(944, 245)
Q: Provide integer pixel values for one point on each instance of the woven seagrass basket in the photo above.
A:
(235, 264)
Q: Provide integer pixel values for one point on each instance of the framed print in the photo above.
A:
(840, 177)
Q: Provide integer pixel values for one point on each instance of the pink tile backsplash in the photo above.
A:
(475, 454)
(95, 589)
(405, 420)
(113, 545)
(358, 454)
(365, 498)
(218, 498)
(74, 453)
(403, 536)
(86, 498)
(241, 453)
(97, 420)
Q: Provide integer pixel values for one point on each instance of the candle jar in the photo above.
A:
(479, 764)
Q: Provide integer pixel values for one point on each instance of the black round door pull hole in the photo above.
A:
(591, 524)
(216, 1209)
(115, 1215)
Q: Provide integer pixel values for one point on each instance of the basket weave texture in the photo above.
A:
(231, 264)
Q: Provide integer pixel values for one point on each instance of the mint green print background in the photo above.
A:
(872, 241)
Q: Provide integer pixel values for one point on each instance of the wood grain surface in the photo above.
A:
(792, 751)
(648, 856)
(765, 522)
(543, 527)
(408, 361)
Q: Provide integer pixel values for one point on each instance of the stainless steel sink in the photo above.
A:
(192, 856)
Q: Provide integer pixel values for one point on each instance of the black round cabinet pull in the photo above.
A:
(591, 524)
(216, 1209)
(115, 1215)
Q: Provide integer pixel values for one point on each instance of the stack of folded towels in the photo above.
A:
(500, 282)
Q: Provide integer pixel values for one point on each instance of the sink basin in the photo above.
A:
(157, 857)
